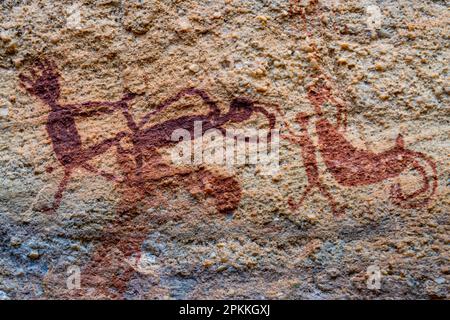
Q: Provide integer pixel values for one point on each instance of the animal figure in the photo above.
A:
(348, 165)
(160, 134)
(146, 173)
(353, 167)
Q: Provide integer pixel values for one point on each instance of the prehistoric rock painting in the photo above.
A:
(43, 82)
(145, 172)
(348, 165)
(352, 167)
(110, 270)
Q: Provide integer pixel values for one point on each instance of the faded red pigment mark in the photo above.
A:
(160, 135)
(352, 167)
(108, 271)
(43, 82)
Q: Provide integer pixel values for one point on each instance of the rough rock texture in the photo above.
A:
(362, 93)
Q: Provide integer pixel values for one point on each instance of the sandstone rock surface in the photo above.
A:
(358, 89)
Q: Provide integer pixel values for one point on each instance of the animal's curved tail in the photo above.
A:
(430, 182)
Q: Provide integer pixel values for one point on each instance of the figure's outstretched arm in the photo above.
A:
(186, 92)
(91, 108)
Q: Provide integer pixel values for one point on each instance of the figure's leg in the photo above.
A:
(295, 206)
(337, 212)
(61, 188)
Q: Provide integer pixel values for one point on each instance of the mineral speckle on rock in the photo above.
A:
(93, 204)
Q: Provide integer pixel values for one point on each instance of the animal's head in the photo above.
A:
(302, 118)
(241, 109)
(42, 80)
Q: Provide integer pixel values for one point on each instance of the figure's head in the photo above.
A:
(43, 81)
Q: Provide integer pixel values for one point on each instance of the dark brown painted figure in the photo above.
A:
(43, 82)
(148, 175)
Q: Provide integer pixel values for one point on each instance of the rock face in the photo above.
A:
(92, 204)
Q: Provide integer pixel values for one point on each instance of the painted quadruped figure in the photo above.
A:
(308, 152)
(352, 167)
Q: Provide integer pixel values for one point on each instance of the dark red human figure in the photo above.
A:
(43, 82)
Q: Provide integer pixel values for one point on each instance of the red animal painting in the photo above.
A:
(349, 166)
(352, 167)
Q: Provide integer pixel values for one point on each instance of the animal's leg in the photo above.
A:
(295, 206)
(61, 188)
(336, 212)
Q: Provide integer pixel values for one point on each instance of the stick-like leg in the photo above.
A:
(295, 206)
(61, 188)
